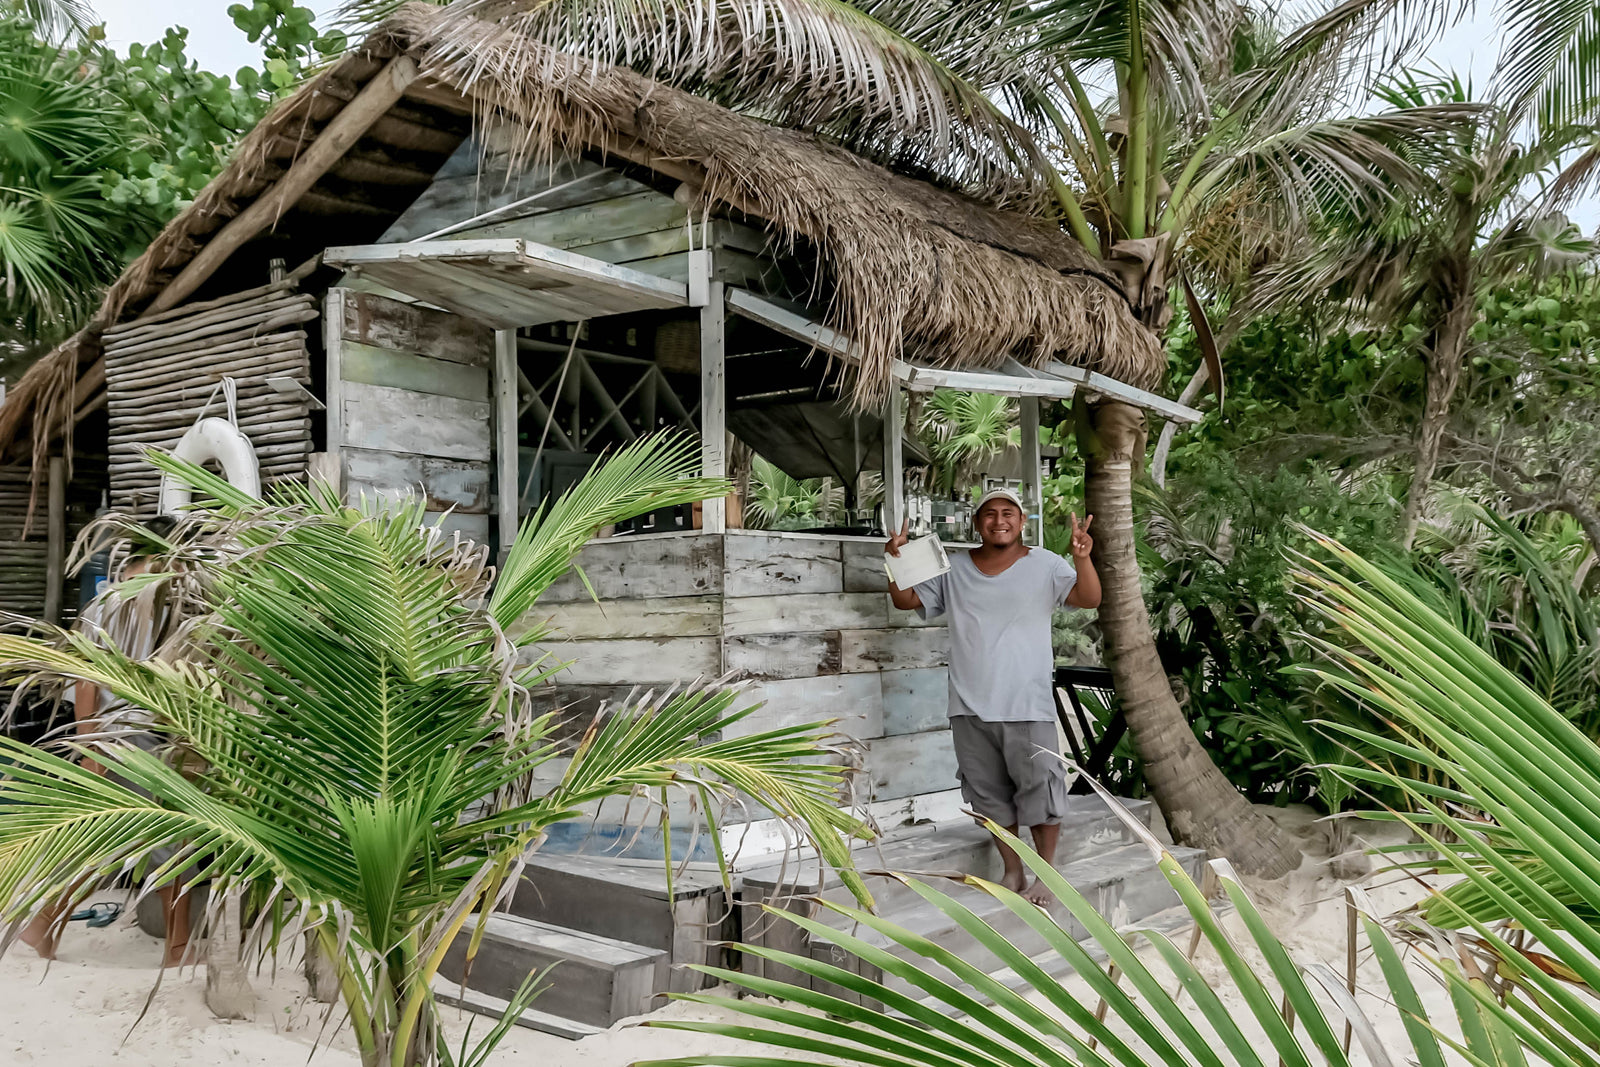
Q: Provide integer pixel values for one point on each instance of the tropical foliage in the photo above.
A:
(779, 501)
(962, 430)
(61, 130)
(351, 736)
(98, 149)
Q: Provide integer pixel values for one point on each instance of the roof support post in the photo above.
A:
(55, 541)
(713, 399)
(1032, 482)
(505, 436)
(894, 461)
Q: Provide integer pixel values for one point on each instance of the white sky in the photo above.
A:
(1469, 48)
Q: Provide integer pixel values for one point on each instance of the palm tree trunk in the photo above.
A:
(1442, 374)
(228, 992)
(1201, 807)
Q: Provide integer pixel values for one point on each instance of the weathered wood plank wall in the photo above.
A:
(162, 370)
(582, 206)
(413, 411)
(806, 621)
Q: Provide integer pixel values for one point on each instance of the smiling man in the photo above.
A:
(999, 598)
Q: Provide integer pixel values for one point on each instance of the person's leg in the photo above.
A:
(1015, 876)
(985, 785)
(43, 932)
(175, 906)
(1039, 778)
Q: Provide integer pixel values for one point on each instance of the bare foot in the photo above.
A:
(1039, 894)
(1016, 881)
(183, 955)
(41, 938)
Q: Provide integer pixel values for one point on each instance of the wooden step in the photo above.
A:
(628, 900)
(451, 995)
(595, 981)
(1089, 829)
(951, 848)
(1124, 885)
(1175, 923)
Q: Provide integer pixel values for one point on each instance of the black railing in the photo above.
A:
(1092, 737)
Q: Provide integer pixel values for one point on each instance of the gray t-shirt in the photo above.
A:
(1002, 664)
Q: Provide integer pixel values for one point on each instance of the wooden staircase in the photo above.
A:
(619, 940)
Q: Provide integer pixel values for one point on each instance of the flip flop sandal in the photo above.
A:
(98, 915)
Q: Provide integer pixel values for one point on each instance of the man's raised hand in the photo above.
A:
(1082, 543)
(898, 539)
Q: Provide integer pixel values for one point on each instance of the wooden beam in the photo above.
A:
(1056, 380)
(535, 403)
(55, 560)
(1032, 487)
(505, 435)
(714, 401)
(1111, 387)
(337, 138)
(544, 265)
(894, 462)
(609, 406)
(335, 308)
(921, 379)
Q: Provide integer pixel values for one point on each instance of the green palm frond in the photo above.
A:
(1548, 61)
(61, 131)
(1520, 819)
(964, 429)
(648, 474)
(1155, 1006)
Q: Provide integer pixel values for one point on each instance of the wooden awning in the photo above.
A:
(1055, 381)
(509, 282)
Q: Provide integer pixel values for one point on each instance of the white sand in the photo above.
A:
(80, 1010)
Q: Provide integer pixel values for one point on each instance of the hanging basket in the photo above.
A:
(678, 346)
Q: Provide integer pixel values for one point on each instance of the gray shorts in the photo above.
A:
(1010, 771)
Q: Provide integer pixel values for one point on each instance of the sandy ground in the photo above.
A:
(84, 1009)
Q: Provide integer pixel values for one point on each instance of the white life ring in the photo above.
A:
(212, 440)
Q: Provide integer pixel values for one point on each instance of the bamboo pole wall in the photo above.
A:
(162, 369)
(24, 560)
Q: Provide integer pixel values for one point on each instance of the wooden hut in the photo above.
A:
(455, 264)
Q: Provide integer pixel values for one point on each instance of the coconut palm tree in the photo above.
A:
(352, 739)
(1214, 140)
(963, 429)
(61, 238)
(1475, 225)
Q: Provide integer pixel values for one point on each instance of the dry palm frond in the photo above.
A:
(897, 79)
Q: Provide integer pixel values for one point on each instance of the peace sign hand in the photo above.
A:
(1082, 543)
(896, 540)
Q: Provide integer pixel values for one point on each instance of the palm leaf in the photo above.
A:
(973, 1019)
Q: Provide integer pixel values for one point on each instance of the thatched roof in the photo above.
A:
(913, 268)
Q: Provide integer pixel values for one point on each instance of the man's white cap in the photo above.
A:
(1001, 494)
